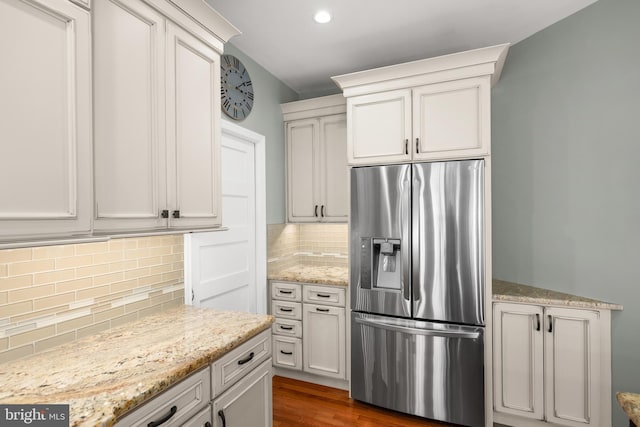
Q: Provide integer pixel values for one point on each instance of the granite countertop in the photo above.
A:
(630, 403)
(105, 375)
(515, 292)
(338, 276)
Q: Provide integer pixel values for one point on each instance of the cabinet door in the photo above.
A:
(334, 173)
(248, 402)
(202, 419)
(45, 153)
(572, 367)
(323, 344)
(379, 127)
(302, 165)
(518, 360)
(452, 119)
(193, 130)
(130, 165)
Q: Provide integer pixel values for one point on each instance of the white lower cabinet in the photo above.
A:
(248, 402)
(551, 366)
(309, 333)
(235, 391)
(323, 347)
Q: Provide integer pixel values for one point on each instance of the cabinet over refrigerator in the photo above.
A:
(417, 289)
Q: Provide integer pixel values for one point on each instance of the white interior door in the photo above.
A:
(226, 269)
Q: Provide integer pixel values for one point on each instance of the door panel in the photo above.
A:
(193, 129)
(46, 110)
(380, 208)
(324, 340)
(518, 360)
(421, 368)
(448, 235)
(129, 93)
(302, 138)
(335, 196)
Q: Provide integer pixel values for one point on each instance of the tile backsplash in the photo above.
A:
(307, 244)
(55, 294)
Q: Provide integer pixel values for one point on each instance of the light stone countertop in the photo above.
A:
(105, 375)
(515, 292)
(630, 403)
(338, 276)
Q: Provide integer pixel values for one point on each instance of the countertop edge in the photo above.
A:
(630, 404)
(551, 301)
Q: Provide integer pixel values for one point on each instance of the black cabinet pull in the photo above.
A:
(286, 328)
(322, 211)
(164, 419)
(164, 213)
(176, 214)
(288, 353)
(315, 211)
(207, 424)
(221, 415)
(537, 322)
(550, 323)
(417, 145)
(406, 146)
(282, 291)
(324, 310)
(246, 359)
(286, 309)
(323, 296)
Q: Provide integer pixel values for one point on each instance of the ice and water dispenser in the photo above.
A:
(380, 263)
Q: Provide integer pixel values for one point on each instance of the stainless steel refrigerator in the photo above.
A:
(417, 289)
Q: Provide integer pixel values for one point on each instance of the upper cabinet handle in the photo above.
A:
(406, 146)
(537, 322)
(550, 323)
(417, 145)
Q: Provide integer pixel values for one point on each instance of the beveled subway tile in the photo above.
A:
(108, 257)
(54, 341)
(150, 280)
(147, 262)
(91, 271)
(74, 261)
(31, 336)
(107, 315)
(10, 310)
(53, 301)
(123, 265)
(92, 248)
(108, 278)
(137, 253)
(4, 297)
(54, 276)
(30, 267)
(16, 353)
(96, 292)
(73, 285)
(31, 293)
(134, 274)
(126, 285)
(15, 255)
(116, 245)
(4, 270)
(16, 282)
(73, 324)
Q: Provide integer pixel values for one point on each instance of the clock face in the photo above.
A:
(235, 87)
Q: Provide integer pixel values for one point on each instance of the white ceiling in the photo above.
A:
(281, 35)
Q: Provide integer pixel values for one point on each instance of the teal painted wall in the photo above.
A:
(566, 168)
(266, 119)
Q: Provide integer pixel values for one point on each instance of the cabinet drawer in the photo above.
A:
(287, 352)
(324, 295)
(234, 365)
(184, 399)
(201, 419)
(286, 291)
(286, 309)
(286, 327)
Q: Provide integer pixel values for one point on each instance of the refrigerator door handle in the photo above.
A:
(390, 326)
(406, 237)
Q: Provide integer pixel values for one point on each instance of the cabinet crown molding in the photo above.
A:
(314, 107)
(472, 63)
(201, 12)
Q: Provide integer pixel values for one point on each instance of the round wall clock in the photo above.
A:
(236, 88)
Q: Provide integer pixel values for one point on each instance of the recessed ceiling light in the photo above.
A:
(322, 17)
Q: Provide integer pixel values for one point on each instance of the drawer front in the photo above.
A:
(286, 291)
(287, 352)
(324, 295)
(201, 419)
(237, 363)
(184, 400)
(286, 327)
(286, 309)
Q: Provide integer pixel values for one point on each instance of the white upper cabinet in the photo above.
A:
(437, 108)
(317, 170)
(157, 125)
(45, 154)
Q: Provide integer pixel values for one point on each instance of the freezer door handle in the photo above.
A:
(391, 326)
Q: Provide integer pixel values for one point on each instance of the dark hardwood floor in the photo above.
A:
(298, 403)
